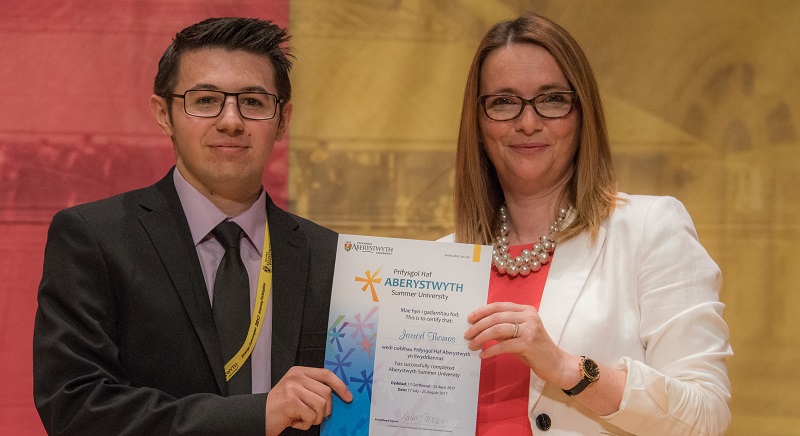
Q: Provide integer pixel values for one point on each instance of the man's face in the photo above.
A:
(224, 155)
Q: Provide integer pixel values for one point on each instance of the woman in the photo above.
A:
(604, 314)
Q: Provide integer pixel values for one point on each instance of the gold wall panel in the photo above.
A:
(703, 104)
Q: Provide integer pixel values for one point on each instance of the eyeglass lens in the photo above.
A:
(205, 103)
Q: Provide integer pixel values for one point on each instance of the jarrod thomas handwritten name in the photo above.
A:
(426, 336)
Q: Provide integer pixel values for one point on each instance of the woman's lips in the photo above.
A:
(228, 145)
(529, 145)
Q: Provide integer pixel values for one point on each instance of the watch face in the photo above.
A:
(591, 369)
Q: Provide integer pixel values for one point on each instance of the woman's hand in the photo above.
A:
(518, 330)
(531, 343)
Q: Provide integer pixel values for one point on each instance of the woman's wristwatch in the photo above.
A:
(590, 373)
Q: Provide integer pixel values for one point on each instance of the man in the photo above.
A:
(139, 319)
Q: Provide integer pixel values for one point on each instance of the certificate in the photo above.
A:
(396, 336)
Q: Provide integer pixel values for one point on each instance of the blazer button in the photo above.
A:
(543, 422)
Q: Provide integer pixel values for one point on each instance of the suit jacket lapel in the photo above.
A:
(163, 220)
(572, 263)
(571, 266)
(290, 252)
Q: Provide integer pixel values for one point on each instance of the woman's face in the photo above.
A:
(532, 155)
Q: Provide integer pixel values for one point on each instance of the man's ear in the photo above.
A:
(286, 116)
(158, 105)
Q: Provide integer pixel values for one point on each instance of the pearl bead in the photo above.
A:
(524, 270)
(527, 260)
(526, 253)
(547, 246)
(501, 267)
(503, 240)
(544, 258)
(536, 266)
(512, 270)
(537, 247)
(518, 260)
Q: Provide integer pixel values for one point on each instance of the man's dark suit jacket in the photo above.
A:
(125, 342)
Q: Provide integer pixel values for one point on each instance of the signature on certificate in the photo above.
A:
(423, 418)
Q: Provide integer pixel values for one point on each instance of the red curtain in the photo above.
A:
(76, 127)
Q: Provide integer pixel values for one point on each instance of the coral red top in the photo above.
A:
(503, 393)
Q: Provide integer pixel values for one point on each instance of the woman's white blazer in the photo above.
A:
(642, 296)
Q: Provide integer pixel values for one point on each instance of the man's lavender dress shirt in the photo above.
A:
(203, 216)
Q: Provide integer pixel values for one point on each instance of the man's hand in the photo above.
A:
(302, 398)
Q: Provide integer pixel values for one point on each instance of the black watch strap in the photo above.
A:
(578, 387)
(590, 372)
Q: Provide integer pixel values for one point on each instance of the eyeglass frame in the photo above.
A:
(526, 101)
(278, 101)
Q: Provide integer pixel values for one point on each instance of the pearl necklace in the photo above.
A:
(529, 260)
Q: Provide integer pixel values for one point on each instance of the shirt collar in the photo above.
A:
(203, 215)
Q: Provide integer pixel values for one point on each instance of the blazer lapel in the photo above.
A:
(571, 266)
(290, 253)
(163, 222)
(572, 263)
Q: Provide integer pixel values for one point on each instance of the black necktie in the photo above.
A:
(231, 305)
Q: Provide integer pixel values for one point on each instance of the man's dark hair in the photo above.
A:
(248, 34)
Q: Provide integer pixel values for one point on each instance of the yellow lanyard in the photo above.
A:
(259, 309)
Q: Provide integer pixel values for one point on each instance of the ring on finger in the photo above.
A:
(516, 330)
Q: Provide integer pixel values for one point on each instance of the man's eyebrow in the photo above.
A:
(210, 87)
(206, 86)
(253, 89)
